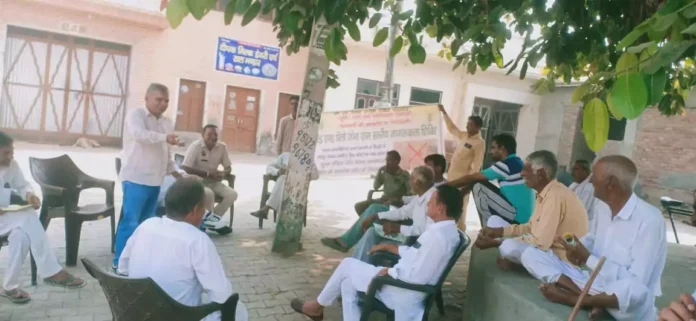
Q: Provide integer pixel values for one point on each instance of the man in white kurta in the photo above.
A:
(24, 231)
(630, 233)
(278, 168)
(423, 263)
(177, 255)
(582, 187)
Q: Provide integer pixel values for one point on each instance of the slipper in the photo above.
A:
(15, 296)
(66, 283)
(333, 243)
(260, 214)
(223, 230)
(296, 304)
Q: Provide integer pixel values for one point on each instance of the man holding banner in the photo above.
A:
(468, 156)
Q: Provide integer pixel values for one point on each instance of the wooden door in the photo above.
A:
(241, 118)
(189, 114)
(284, 107)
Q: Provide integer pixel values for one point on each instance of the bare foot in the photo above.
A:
(554, 294)
(483, 242)
(596, 313)
(504, 264)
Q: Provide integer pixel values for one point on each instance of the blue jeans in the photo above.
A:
(139, 204)
(368, 240)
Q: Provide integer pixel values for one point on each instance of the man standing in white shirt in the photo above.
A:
(24, 231)
(177, 255)
(146, 161)
(631, 237)
(423, 263)
(583, 188)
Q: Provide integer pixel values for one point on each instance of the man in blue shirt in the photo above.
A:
(513, 201)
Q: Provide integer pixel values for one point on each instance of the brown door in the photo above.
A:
(241, 117)
(284, 107)
(189, 115)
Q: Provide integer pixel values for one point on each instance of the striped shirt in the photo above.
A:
(507, 173)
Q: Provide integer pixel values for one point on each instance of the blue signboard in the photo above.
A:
(247, 59)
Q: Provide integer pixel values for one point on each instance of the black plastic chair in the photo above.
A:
(371, 304)
(4, 241)
(675, 207)
(144, 300)
(61, 182)
(266, 194)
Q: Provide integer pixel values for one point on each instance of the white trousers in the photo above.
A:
(353, 276)
(276, 197)
(26, 232)
(510, 249)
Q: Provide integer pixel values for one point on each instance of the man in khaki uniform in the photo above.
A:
(468, 156)
(203, 159)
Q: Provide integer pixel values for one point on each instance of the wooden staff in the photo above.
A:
(588, 285)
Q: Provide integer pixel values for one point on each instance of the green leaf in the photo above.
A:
(632, 36)
(472, 32)
(523, 71)
(380, 37)
(580, 92)
(691, 30)
(405, 15)
(655, 84)
(230, 10)
(498, 57)
(471, 67)
(638, 48)
(669, 6)
(628, 62)
(329, 48)
(396, 46)
(645, 56)
(199, 8)
(353, 29)
(456, 44)
(251, 13)
(177, 10)
(457, 64)
(666, 55)
(612, 108)
(374, 20)
(595, 124)
(416, 53)
(431, 30)
(629, 94)
(664, 22)
(689, 12)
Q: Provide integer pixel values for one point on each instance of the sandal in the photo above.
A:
(334, 244)
(16, 296)
(67, 282)
(297, 304)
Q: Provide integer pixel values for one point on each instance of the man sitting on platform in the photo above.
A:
(631, 236)
(394, 181)
(279, 168)
(583, 188)
(203, 159)
(436, 162)
(513, 201)
(423, 263)
(179, 257)
(24, 231)
(557, 211)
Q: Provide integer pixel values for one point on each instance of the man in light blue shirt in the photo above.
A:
(513, 201)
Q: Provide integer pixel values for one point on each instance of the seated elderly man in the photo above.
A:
(631, 236)
(345, 242)
(681, 309)
(279, 168)
(179, 257)
(24, 230)
(394, 181)
(204, 158)
(423, 263)
(582, 187)
(557, 211)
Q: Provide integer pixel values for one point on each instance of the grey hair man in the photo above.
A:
(557, 211)
(630, 235)
(582, 187)
(385, 227)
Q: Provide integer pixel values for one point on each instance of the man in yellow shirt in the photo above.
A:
(468, 156)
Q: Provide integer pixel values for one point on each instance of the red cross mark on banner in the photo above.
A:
(417, 153)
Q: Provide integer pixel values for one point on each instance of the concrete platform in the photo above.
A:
(493, 294)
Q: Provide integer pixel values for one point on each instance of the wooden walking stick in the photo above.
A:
(588, 285)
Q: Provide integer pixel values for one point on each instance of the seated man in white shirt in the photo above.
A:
(24, 231)
(178, 256)
(278, 168)
(583, 188)
(630, 234)
(423, 263)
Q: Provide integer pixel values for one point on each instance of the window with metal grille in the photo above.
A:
(420, 96)
(367, 93)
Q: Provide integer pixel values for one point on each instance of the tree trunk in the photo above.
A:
(294, 206)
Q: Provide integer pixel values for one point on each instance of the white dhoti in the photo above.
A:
(276, 197)
(353, 276)
(25, 232)
(510, 249)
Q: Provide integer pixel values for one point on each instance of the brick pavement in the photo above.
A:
(265, 281)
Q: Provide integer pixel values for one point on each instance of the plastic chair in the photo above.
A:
(675, 207)
(371, 304)
(144, 300)
(266, 194)
(61, 182)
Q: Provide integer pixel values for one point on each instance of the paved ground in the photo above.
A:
(265, 281)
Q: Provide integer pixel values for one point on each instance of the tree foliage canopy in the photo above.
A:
(628, 54)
